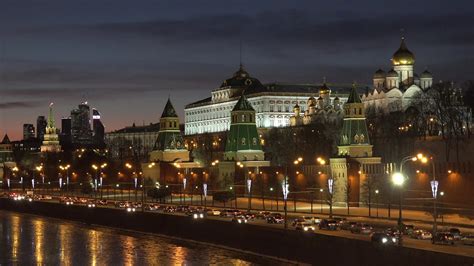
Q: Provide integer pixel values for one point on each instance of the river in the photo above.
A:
(34, 240)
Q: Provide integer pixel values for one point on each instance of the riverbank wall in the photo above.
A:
(290, 245)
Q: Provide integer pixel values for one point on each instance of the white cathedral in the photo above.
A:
(397, 89)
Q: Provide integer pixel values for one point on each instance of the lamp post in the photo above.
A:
(398, 180)
(322, 162)
(377, 201)
(321, 198)
(286, 189)
(434, 190)
(15, 170)
(442, 216)
(65, 168)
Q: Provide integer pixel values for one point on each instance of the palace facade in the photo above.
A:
(273, 103)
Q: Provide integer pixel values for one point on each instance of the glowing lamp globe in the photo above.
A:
(398, 179)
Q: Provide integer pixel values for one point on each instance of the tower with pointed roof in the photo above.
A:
(6, 150)
(243, 142)
(169, 146)
(51, 138)
(354, 138)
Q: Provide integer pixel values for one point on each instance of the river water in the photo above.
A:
(34, 240)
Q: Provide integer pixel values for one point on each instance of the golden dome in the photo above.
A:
(403, 56)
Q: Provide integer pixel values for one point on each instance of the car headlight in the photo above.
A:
(195, 216)
(384, 240)
(394, 239)
(129, 209)
(306, 228)
(201, 215)
(240, 221)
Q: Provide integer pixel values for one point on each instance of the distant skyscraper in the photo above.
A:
(65, 136)
(28, 131)
(98, 128)
(41, 127)
(80, 125)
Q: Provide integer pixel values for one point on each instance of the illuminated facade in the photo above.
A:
(273, 103)
(51, 138)
(325, 109)
(400, 87)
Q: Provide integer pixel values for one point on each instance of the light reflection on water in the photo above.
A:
(34, 240)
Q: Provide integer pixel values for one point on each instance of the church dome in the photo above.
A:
(403, 56)
(392, 74)
(311, 101)
(379, 74)
(426, 74)
(324, 89)
(242, 79)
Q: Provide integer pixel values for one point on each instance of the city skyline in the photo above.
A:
(138, 55)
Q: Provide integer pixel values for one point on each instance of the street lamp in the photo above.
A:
(286, 189)
(398, 180)
(321, 198)
(377, 201)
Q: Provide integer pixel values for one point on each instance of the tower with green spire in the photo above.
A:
(243, 142)
(51, 138)
(169, 146)
(354, 137)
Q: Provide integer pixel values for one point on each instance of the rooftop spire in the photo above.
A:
(51, 116)
(169, 110)
(354, 96)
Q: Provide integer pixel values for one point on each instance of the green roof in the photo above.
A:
(354, 96)
(354, 132)
(242, 137)
(169, 110)
(243, 105)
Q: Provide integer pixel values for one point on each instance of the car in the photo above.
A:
(467, 240)
(339, 220)
(262, 215)
(327, 224)
(393, 231)
(305, 226)
(229, 213)
(130, 209)
(407, 229)
(102, 202)
(214, 212)
(198, 215)
(296, 221)
(169, 209)
(361, 228)
(317, 220)
(249, 215)
(347, 225)
(421, 234)
(456, 233)
(240, 219)
(151, 207)
(275, 218)
(443, 238)
(91, 204)
(383, 238)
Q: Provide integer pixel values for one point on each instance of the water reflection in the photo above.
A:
(33, 240)
(38, 225)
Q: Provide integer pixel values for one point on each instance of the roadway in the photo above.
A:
(457, 249)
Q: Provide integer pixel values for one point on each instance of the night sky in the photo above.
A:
(126, 57)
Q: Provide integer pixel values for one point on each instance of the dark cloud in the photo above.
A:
(16, 105)
(297, 28)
